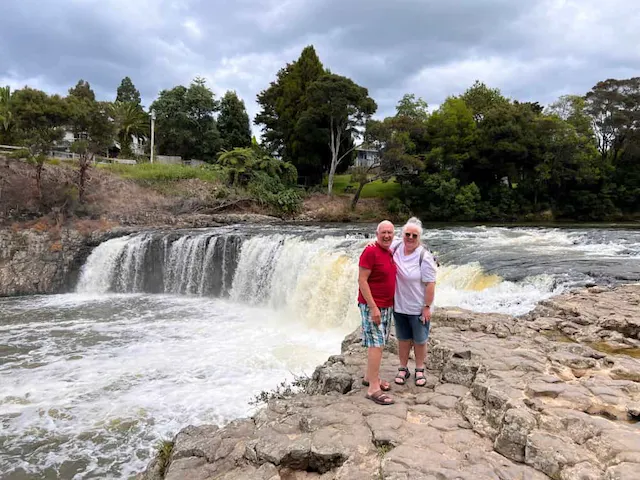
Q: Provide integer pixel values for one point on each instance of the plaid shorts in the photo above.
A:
(375, 335)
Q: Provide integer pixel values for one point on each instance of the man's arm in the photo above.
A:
(363, 283)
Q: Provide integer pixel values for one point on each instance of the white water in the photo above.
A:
(108, 387)
(311, 281)
(91, 381)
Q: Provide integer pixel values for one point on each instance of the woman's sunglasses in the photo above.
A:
(411, 235)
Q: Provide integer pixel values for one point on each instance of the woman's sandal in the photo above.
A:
(402, 375)
(380, 398)
(422, 378)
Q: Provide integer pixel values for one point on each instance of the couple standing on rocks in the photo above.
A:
(397, 277)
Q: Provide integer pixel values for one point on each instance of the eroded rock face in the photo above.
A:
(506, 399)
(42, 262)
(33, 262)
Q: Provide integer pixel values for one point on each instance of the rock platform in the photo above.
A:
(553, 394)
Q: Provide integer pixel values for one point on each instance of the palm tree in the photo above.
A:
(131, 121)
(5, 107)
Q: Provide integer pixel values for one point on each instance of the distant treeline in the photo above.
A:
(479, 156)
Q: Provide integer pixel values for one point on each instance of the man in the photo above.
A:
(377, 284)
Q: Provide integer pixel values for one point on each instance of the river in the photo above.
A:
(167, 329)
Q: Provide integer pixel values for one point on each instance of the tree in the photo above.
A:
(481, 99)
(567, 160)
(127, 92)
(185, 122)
(346, 105)
(451, 131)
(38, 144)
(394, 158)
(410, 107)
(614, 106)
(37, 125)
(93, 130)
(572, 109)
(282, 105)
(233, 122)
(130, 122)
(6, 113)
(83, 90)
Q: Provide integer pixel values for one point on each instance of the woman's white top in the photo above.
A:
(411, 278)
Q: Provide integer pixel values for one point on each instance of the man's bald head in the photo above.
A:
(384, 234)
(385, 224)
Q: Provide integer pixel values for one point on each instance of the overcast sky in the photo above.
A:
(533, 50)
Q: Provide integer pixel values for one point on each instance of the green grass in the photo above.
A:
(377, 189)
(164, 451)
(156, 172)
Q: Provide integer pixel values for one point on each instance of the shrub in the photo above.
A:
(243, 163)
(283, 391)
(165, 449)
(270, 191)
(396, 207)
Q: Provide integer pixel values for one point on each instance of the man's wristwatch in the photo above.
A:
(424, 305)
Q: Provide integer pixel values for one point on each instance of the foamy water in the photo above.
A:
(94, 383)
(90, 382)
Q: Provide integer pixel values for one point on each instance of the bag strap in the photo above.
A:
(422, 254)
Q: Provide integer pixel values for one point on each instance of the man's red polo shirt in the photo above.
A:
(382, 280)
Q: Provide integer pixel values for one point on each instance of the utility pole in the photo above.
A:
(153, 125)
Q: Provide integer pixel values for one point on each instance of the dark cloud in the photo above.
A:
(532, 50)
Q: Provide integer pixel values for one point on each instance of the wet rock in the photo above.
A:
(42, 262)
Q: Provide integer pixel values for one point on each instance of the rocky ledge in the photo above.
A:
(553, 394)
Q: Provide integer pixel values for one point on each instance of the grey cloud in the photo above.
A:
(426, 47)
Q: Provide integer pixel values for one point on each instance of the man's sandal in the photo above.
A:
(384, 386)
(380, 398)
(422, 379)
(402, 375)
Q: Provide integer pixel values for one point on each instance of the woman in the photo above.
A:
(413, 301)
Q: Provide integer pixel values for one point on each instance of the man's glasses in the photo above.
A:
(411, 235)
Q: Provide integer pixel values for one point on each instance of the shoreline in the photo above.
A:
(514, 397)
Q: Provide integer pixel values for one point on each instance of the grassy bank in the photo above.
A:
(377, 189)
(156, 172)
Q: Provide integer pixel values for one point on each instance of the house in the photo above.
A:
(366, 156)
(137, 144)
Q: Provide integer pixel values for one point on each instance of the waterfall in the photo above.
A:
(306, 277)
(314, 282)
(197, 264)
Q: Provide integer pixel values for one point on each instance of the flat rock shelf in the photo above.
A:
(553, 394)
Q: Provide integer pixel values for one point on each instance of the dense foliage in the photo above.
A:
(479, 156)
(270, 181)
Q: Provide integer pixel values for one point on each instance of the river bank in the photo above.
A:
(552, 394)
